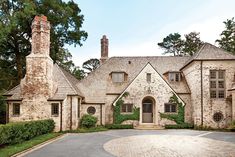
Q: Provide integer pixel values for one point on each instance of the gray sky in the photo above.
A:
(134, 27)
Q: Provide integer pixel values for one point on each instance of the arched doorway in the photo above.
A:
(147, 110)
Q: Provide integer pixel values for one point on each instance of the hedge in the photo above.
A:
(13, 133)
(119, 126)
(179, 126)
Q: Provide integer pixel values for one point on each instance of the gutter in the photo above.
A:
(201, 96)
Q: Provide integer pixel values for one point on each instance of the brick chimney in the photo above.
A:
(38, 80)
(104, 49)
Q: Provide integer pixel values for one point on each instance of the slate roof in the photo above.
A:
(210, 52)
(66, 85)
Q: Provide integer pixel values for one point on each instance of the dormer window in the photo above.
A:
(174, 76)
(119, 77)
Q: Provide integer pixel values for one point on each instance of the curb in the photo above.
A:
(38, 146)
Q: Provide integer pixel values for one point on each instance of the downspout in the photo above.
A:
(61, 108)
(7, 112)
(71, 103)
(201, 96)
(100, 114)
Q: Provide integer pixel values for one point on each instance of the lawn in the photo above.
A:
(16, 148)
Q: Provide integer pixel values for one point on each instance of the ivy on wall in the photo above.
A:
(118, 117)
(179, 117)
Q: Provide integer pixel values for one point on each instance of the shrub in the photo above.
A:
(179, 126)
(88, 121)
(21, 131)
(232, 126)
(119, 126)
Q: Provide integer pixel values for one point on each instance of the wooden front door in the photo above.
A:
(147, 112)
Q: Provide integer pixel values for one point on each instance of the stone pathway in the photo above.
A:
(169, 146)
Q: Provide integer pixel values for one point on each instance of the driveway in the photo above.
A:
(141, 143)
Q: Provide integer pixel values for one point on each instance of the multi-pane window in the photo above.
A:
(127, 108)
(55, 109)
(148, 77)
(170, 107)
(217, 84)
(174, 76)
(16, 109)
(118, 77)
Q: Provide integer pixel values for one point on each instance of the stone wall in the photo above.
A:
(210, 106)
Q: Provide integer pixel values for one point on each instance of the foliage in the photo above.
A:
(15, 33)
(10, 150)
(180, 126)
(87, 130)
(88, 121)
(119, 126)
(12, 133)
(78, 73)
(91, 64)
(118, 117)
(2, 110)
(227, 37)
(232, 126)
(174, 44)
(179, 117)
(192, 43)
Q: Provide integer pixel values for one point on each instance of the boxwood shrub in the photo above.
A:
(180, 126)
(119, 126)
(13, 133)
(88, 121)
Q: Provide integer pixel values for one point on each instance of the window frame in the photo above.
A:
(53, 109)
(174, 76)
(148, 77)
(215, 84)
(14, 113)
(126, 108)
(170, 108)
(117, 80)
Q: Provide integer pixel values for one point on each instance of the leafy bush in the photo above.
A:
(179, 126)
(119, 126)
(18, 132)
(88, 121)
(232, 126)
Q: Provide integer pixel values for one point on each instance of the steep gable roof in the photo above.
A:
(160, 76)
(210, 52)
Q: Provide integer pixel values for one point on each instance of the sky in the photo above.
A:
(134, 27)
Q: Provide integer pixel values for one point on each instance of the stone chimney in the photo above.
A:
(104, 49)
(38, 81)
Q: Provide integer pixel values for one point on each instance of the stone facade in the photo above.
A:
(186, 77)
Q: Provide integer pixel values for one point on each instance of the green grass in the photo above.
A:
(16, 148)
(87, 130)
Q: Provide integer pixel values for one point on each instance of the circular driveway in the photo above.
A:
(141, 143)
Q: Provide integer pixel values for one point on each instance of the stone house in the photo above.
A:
(204, 86)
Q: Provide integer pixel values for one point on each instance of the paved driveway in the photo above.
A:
(142, 143)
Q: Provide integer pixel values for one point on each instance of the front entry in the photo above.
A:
(147, 111)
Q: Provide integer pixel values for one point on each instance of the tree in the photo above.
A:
(192, 43)
(78, 73)
(15, 30)
(227, 37)
(172, 44)
(91, 64)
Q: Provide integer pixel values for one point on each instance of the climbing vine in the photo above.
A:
(118, 117)
(179, 117)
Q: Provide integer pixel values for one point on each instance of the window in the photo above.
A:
(127, 108)
(148, 77)
(218, 116)
(16, 109)
(91, 110)
(217, 84)
(174, 76)
(55, 109)
(170, 107)
(118, 77)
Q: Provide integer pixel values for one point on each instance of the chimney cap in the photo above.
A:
(40, 18)
(104, 37)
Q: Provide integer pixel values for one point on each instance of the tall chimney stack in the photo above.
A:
(104, 49)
